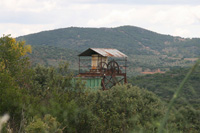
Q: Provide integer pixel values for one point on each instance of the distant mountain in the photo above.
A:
(147, 50)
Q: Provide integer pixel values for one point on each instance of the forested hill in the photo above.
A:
(147, 50)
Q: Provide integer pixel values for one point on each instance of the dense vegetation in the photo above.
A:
(165, 85)
(147, 50)
(43, 99)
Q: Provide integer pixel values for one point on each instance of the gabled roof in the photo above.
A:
(106, 52)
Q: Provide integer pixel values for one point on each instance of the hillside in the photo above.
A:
(147, 50)
(50, 55)
(164, 85)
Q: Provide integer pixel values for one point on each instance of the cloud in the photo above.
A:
(21, 29)
(181, 32)
(160, 18)
(139, 2)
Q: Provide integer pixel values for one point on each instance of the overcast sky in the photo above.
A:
(173, 17)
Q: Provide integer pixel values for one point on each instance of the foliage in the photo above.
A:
(125, 108)
(14, 76)
(46, 125)
(165, 85)
(176, 95)
(11, 53)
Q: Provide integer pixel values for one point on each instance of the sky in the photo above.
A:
(170, 17)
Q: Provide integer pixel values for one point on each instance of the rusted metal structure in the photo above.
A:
(109, 64)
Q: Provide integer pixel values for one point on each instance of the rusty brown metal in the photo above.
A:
(106, 52)
(89, 74)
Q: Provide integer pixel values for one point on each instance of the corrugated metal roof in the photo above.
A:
(106, 52)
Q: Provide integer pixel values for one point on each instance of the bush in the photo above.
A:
(48, 124)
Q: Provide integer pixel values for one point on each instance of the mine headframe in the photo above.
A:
(109, 64)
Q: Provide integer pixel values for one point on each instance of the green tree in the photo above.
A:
(14, 78)
(12, 54)
(13, 60)
(121, 109)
